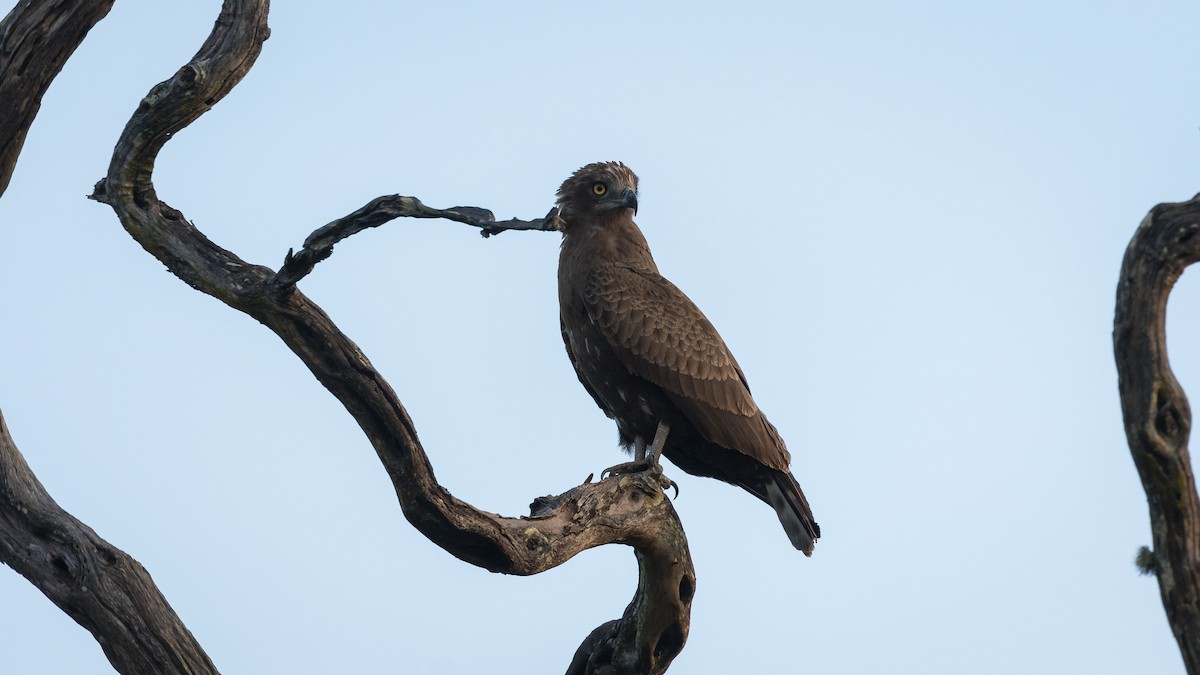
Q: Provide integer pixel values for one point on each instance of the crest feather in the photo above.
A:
(615, 173)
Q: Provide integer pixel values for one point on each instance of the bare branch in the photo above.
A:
(624, 509)
(94, 582)
(319, 245)
(1158, 419)
(36, 39)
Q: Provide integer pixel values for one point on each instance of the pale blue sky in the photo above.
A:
(906, 219)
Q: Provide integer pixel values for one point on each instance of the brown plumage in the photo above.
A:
(650, 358)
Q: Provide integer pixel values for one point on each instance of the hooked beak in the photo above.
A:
(629, 200)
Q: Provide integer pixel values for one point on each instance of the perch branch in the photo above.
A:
(36, 39)
(94, 582)
(623, 509)
(319, 245)
(1158, 419)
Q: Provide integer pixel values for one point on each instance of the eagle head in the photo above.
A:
(598, 189)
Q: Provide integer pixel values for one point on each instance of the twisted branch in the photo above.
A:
(623, 509)
(319, 245)
(1158, 419)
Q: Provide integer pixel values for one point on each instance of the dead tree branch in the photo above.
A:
(1158, 419)
(94, 582)
(624, 509)
(36, 39)
(319, 245)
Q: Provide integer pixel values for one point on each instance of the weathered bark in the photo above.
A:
(627, 509)
(36, 39)
(94, 582)
(1158, 419)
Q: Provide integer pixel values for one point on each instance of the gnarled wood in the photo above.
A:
(94, 582)
(36, 39)
(622, 509)
(1158, 419)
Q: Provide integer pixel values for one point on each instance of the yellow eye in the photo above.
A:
(599, 189)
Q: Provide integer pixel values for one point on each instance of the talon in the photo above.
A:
(635, 466)
(664, 482)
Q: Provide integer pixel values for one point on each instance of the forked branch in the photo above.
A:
(1158, 419)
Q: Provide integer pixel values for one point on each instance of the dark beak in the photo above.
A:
(629, 199)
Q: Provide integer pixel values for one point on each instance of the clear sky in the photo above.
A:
(906, 219)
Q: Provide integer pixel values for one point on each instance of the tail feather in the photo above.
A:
(783, 493)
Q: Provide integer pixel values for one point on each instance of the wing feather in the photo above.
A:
(661, 336)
